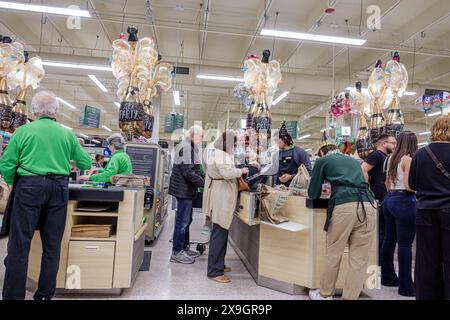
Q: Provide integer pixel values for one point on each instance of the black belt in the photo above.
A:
(401, 191)
(49, 175)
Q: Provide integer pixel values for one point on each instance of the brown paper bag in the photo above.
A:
(271, 202)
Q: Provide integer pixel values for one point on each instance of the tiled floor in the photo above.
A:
(166, 280)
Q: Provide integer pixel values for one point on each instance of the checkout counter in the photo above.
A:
(287, 257)
(109, 261)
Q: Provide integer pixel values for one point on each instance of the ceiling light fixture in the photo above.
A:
(176, 97)
(75, 66)
(312, 37)
(280, 97)
(106, 128)
(425, 133)
(97, 82)
(308, 150)
(326, 129)
(117, 104)
(44, 9)
(96, 141)
(433, 114)
(83, 135)
(216, 77)
(423, 144)
(66, 127)
(66, 103)
(304, 137)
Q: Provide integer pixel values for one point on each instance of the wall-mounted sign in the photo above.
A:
(89, 117)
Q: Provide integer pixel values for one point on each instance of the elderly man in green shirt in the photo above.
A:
(37, 162)
(119, 163)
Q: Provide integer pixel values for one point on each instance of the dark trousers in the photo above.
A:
(432, 272)
(381, 231)
(399, 219)
(183, 220)
(217, 250)
(38, 201)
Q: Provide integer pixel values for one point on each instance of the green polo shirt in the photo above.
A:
(339, 169)
(42, 147)
(119, 163)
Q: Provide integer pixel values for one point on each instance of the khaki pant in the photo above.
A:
(344, 229)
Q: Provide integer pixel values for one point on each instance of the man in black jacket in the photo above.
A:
(186, 177)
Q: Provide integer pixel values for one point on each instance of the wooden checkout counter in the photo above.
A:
(288, 257)
(104, 262)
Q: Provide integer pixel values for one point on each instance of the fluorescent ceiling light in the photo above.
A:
(406, 93)
(95, 141)
(312, 37)
(423, 144)
(425, 133)
(243, 123)
(326, 129)
(308, 150)
(280, 97)
(304, 137)
(433, 114)
(44, 9)
(66, 127)
(83, 135)
(106, 128)
(66, 103)
(176, 97)
(97, 82)
(76, 66)
(215, 77)
(117, 104)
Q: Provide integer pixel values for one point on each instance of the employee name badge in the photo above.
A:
(287, 159)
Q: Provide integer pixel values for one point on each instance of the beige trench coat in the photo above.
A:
(220, 196)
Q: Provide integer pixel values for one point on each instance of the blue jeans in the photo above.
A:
(399, 218)
(183, 220)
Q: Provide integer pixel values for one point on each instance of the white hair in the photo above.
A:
(44, 103)
(194, 130)
(117, 140)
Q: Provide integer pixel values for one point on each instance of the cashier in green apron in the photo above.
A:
(290, 158)
(119, 163)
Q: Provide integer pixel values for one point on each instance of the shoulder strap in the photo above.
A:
(436, 161)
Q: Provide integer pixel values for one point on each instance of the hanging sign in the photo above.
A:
(89, 117)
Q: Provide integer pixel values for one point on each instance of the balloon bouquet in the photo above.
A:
(28, 74)
(377, 89)
(138, 69)
(16, 71)
(363, 145)
(154, 76)
(11, 55)
(261, 82)
(345, 103)
(440, 101)
(397, 81)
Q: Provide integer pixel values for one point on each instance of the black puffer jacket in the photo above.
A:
(187, 174)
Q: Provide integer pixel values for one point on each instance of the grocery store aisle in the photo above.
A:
(167, 280)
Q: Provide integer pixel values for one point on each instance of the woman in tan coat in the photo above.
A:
(219, 200)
